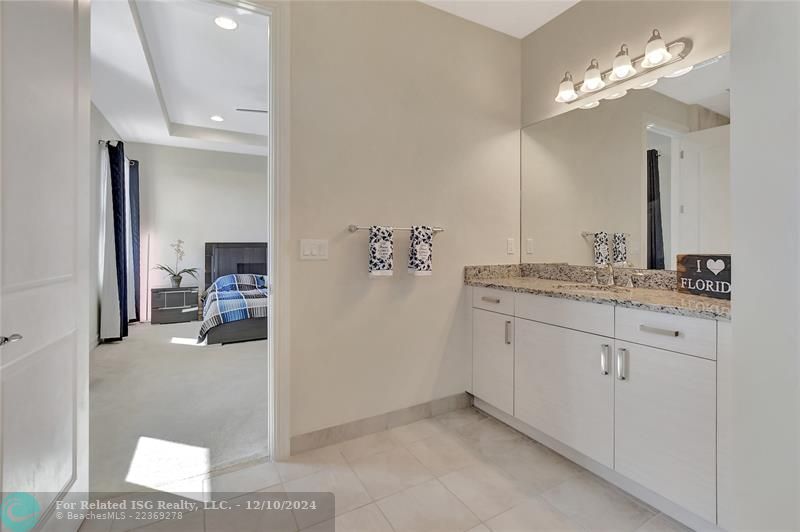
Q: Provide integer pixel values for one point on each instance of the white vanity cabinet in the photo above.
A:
(493, 359)
(564, 386)
(632, 390)
(666, 424)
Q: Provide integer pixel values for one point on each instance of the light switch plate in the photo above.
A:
(529, 246)
(313, 249)
(510, 246)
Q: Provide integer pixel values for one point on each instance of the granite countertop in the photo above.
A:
(667, 301)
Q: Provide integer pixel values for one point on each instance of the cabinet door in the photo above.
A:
(666, 425)
(493, 359)
(564, 387)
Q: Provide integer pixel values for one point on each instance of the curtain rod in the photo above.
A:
(131, 162)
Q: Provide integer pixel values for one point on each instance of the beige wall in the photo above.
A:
(585, 171)
(597, 29)
(400, 114)
(198, 196)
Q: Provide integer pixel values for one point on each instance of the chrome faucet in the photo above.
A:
(610, 281)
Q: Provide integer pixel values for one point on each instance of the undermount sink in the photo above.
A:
(592, 287)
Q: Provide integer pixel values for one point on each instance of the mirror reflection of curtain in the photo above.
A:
(120, 211)
(655, 235)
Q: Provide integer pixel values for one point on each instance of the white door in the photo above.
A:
(666, 425)
(43, 176)
(565, 388)
(704, 192)
(493, 359)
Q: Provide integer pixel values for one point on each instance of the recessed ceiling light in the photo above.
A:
(217, 118)
(226, 23)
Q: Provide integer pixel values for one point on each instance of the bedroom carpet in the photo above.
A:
(163, 410)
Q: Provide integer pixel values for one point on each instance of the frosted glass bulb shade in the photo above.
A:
(680, 72)
(622, 67)
(566, 90)
(593, 81)
(655, 53)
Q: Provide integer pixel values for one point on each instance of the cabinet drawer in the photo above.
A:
(693, 336)
(588, 317)
(501, 301)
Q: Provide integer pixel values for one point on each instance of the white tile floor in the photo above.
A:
(458, 472)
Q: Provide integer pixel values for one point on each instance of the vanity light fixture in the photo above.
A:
(622, 65)
(594, 79)
(226, 23)
(566, 90)
(659, 60)
(655, 52)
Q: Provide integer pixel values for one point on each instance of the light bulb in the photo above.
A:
(593, 81)
(566, 90)
(622, 67)
(655, 52)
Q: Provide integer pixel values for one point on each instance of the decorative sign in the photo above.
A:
(705, 275)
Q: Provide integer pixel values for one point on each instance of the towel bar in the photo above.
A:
(353, 228)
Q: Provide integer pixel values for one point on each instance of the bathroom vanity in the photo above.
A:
(621, 380)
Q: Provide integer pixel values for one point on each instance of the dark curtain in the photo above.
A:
(134, 201)
(116, 156)
(655, 236)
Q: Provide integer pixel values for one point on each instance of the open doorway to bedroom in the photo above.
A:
(179, 390)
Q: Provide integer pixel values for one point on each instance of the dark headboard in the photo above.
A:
(223, 258)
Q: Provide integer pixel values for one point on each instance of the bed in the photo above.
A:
(235, 313)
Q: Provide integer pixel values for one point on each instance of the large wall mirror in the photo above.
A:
(652, 167)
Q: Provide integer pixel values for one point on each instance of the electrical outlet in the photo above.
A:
(529, 246)
(510, 246)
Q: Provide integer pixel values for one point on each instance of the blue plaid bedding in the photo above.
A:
(233, 298)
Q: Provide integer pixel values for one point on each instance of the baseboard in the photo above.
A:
(361, 427)
(640, 492)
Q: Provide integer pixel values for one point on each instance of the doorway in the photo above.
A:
(183, 89)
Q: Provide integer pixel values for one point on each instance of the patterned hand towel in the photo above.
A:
(600, 248)
(620, 251)
(381, 251)
(420, 253)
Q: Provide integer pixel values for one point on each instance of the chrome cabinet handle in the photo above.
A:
(508, 333)
(657, 330)
(10, 339)
(605, 351)
(491, 299)
(622, 364)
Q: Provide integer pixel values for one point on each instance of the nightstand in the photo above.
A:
(174, 305)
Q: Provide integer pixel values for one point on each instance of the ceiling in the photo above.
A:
(161, 69)
(708, 85)
(517, 18)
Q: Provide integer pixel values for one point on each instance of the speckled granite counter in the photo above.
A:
(658, 300)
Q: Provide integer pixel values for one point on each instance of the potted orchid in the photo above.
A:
(176, 275)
